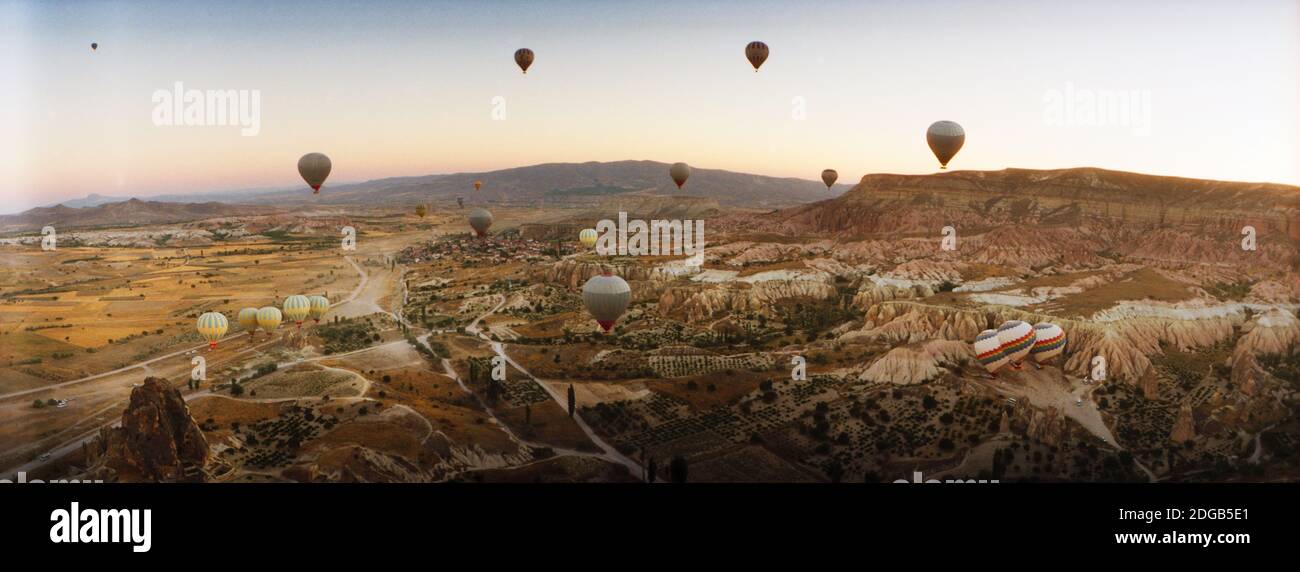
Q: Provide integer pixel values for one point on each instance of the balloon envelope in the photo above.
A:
(319, 305)
(829, 176)
(1017, 339)
(524, 57)
(680, 172)
(94, 46)
(314, 168)
(212, 325)
(606, 297)
(269, 318)
(588, 237)
(480, 220)
(1049, 342)
(988, 351)
(478, 185)
(756, 53)
(248, 320)
(945, 139)
(296, 308)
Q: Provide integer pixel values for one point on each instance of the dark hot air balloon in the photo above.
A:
(314, 168)
(829, 176)
(756, 52)
(679, 172)
(94, 46)
(945, 139)
(524, 57)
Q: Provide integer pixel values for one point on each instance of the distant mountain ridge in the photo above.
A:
(575, 183)
(125, 213)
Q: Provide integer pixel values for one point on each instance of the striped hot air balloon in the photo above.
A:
(1049, 342)
(1017, 339)
(248, 321)
(588, 237)
(212, 326)
(319, 305)
(606, 297)
(297, 308)
(269, 318)
(988, 351)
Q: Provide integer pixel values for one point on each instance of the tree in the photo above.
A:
(528, 415)
(677, 469)
(573, 400)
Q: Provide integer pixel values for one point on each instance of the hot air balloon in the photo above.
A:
(756, 52)
(606, 297)
(478, 185)
(988, 351)
(248, 321)
(1017, 338)
(212, 326)
(829, 176)
(269, 318)
(945, 139)
(524, 57)
(319, 305)
(1049, 342)
(680, 172)
(421, 210)
(94, 46)
(460, 202)
(314, 168)
(296, 308)
(587, 237)
(480, 220)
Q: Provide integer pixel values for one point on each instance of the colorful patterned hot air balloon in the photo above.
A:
(314, 168)
(269, 318)
(478, 185)
(679, 172)
(756, 53)
(829, 176)
(1017, 339)
(524, 58)
(319, 305)
(480, 220)
(945, 139)
(988, 351)
(212, 326)
(296, 308)
(248, 321)
(1049, 342)
(588, 237)
(606, 297)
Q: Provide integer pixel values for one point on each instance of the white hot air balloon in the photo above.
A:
(480, 220)
(606, 297)
(988, 351)
(1049, 342)
(1017, 339)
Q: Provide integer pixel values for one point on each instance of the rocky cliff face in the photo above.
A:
(1184, 426)
(908, 365)
(158, 439)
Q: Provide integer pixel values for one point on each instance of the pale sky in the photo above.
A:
(407, 88)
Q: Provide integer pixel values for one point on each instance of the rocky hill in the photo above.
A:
(126, 213)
